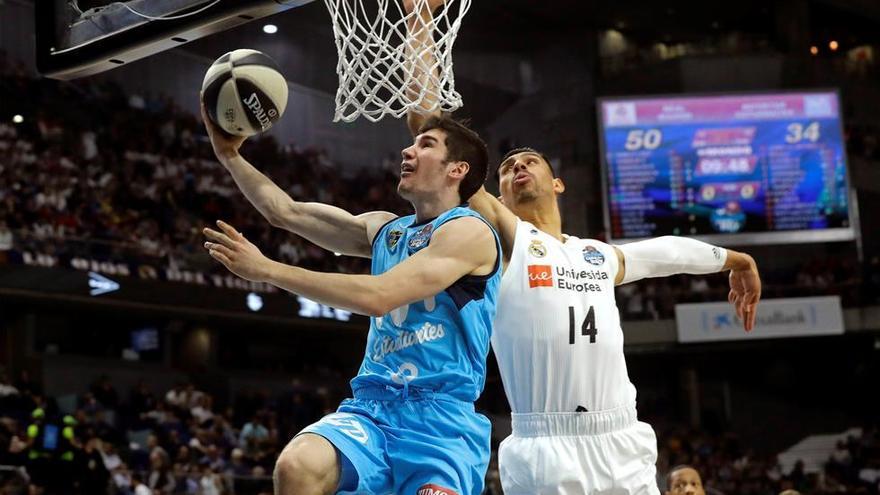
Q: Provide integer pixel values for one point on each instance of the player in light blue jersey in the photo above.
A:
(410, 427)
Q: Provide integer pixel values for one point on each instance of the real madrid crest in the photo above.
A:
(593, 256)
(537, 249)
(421, 238)
(392, 237)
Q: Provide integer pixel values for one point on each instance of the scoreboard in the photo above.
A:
(750, 168)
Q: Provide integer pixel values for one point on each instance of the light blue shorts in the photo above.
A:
(424, 444)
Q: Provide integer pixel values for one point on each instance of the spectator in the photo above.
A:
(699, 287)
(176, 397)
(5, 238)
(142, 399)
(841, 455)
(6, 388)
(104, 393)
(93, 475)
(138, 486)
(122, 479)
(684, 480)
(26, 385)
(160, 478)
(237, 465)
(191, 397)
(213, 459)
(253, 435)
(210, 482)
(202, 412)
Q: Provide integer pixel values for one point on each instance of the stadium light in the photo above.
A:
(270, 29)
(18, 119)
(254, 302)
(833, 45)
(814, 50)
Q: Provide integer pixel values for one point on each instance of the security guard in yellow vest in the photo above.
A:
(41, 440)
(69, 450)
(35, 431)
(68, 443)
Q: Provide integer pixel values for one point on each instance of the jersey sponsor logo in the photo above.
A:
(593, 256)
(422, 237)
(537, 249)
(540, 276)
(432, 489)
(406, 339)
(579, 281)
(392, 237)
(565, 278)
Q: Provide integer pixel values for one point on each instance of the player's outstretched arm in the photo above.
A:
(494, 211)
(330, 227)
(672, 255)
(464, 246)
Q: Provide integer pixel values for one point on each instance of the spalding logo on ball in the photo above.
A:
(244, 92)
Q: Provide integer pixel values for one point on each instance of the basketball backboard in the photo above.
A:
(72, 42)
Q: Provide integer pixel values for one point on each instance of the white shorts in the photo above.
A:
(590, 453)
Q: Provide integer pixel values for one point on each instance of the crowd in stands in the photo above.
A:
(729, 467)
(180, 441)
(123, 177)
(149, 442)
(133, 179)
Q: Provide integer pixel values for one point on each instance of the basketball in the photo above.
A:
(244, 92)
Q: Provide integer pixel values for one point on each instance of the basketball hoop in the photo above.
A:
(383, 69)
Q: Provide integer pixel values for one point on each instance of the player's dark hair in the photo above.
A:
(526, 149)
(675, 469)
(463, 145)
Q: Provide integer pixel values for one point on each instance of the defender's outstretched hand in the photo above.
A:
(745, 289)
(236, 253)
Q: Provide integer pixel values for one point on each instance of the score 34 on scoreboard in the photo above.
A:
(733, 169)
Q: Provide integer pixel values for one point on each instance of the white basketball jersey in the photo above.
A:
(557, 334)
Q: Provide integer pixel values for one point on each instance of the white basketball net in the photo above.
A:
(390, 61)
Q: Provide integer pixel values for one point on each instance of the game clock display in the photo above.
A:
(750, 168)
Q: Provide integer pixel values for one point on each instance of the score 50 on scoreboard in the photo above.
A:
(748, 168)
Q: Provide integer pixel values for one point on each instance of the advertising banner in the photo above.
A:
(777, 318)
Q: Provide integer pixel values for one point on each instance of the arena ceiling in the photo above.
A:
(512, 25)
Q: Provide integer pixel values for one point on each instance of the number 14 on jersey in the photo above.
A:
(588, 325)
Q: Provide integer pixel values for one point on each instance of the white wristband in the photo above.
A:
(670, 255)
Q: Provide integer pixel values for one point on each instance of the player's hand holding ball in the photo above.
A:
(243, 94)
(225, 145)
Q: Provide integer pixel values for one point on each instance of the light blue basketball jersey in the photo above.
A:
(438, 344)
